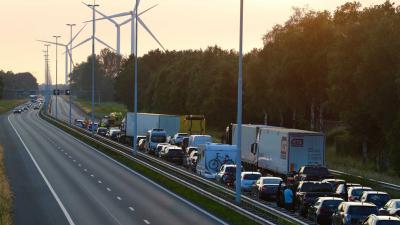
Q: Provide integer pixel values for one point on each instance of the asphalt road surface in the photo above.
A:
(63, 109)
(56, 179)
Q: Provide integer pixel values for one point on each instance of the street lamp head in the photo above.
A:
(56, 36)
(71, 24)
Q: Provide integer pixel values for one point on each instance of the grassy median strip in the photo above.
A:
(216, 208)
(6, 105)
(105, 108)
(5, 194)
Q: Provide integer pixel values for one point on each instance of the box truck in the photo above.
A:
(280, 150)
(148, 121)
(212, 156)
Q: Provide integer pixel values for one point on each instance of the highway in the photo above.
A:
(63, 109)
(57, 179)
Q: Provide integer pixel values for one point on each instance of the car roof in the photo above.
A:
(379, 217)
(375, 192)
(313, 182)
(358, 204)
(332, 179)
(329, 198)
(360, 187)
(250, 172)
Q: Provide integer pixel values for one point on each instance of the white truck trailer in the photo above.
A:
(148, 121)
(280, 150)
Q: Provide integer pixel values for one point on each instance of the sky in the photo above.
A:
(178, 24)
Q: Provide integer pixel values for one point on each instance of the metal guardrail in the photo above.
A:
(384, 184)
(115, 146)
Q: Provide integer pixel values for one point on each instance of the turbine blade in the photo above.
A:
(105, 16)
(112, 16)
(102, 42)
(83, 42)
(148, 31)
(76, 35)
(147, 9)
(50, 42)
(125, 22)
(136, 6)
(70, 56)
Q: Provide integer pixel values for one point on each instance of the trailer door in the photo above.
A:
(305, 150)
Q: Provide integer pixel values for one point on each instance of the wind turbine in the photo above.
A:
(133, 14)
(117, 25)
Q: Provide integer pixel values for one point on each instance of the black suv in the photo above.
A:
(314, 173)
(308, 192)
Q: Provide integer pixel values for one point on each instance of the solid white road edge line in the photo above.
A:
(141, 176)
(64, 210)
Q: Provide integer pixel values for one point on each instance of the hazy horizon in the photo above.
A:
(178, 24)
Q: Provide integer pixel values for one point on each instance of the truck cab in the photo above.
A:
(153, 138)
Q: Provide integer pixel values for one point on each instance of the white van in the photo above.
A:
(211, 157)
(197, 140)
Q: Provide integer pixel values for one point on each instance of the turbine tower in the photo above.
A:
(134, 16)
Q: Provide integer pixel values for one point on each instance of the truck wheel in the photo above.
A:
(213, 164)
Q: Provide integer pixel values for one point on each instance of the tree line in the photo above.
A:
(317, 69)
(15, 85)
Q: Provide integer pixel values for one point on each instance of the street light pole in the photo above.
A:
(93, 59)
(56, 37)
(70, 72)
(47, 77)
(239, 110)
(136, 79)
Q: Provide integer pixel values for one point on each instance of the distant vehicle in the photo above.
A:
(79, 123)
(37, 106)
(381, 220)
(94, 125)
(190, 149)
(138, 138)
(18, 110)
(392, 208)
(342, 190)
(334, 182)
(248, 179)
(148, 121)
(112, 120)
(313, 173)
(193, 159)
(102, 131)
(349, 213)
(153, 138)
(159, 148)
(378, 198)
(354, 193)
(198, 140)
(226, 174)
(279, 150)
(267, 187)
(177, 139)
(321, 211)
(173, 154)
(113, 133)
(308, 192)
(212, 156)
(142, 144)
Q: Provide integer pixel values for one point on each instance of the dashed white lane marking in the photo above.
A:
(99, 181)
(108, 189)
(131, 208)
(66, 153)
(79, 165)
(62, 150)
(146, 221)
(70, 157)
(119, 198)
(91, 175)
(85, 170)
(74, 160)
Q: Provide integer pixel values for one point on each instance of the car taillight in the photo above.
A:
(351, 198)
(264, 188)
(323, 210)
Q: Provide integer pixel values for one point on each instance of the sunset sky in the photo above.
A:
(178, 24)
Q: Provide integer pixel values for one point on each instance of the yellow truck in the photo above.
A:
(193, 124)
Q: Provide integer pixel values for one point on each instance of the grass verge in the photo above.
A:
(212, 206)
(5, 194)
(6, 105)
(102, 109)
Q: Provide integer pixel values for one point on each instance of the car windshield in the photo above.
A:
(397, 205)
(388, 222)
(251, 176)
(316, 187)
(378, 198)
(315, 170)
(230, 169)
(358, 192)
(271, 180)
(362, 210)
(332, 204)
(158, 138)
